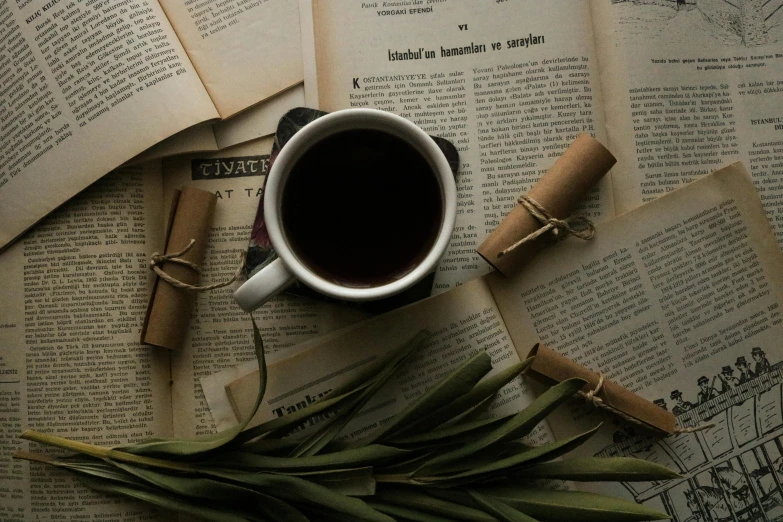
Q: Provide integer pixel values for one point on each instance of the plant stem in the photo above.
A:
(99, 452)
(33, 457)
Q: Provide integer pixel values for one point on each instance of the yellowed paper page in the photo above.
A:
(661, 291)
(259, 120)
(511, 84)
(71, 306)
(694, 86)
(308, 53)
(220, 334)
(83, 90)
(214, 385)
(463, 322)
(245, 52)
(680, 302)
(198, 138)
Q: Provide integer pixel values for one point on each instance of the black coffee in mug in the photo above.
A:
(361, 208)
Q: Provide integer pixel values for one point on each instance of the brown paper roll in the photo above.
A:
(549, 366)
(559, 191)
(169, 308)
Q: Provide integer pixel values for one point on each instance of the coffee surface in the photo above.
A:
(361, 208)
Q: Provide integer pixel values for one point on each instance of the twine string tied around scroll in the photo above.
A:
(158, 259)
(578, 226)
(593, 398)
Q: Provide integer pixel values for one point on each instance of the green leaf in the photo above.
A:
(352, 487)
(188, 486)
(270, 446)
(98, 452)
(517, 426)
(218, 491)
(173, 447)
(618, 469)
(478, 459)
(359, 457)
(458, 433)
(300, 490)
(166, 501)
(485, 389)
(318, 514)
(279, 510)
(477, 412)
(515, 446)
(353, 482)
(402, 467)
(537, 454)
(326, 433)
(335, 474)
(498, 509)
(405, 513)
(484, 457)
(417, 500)
(455, 495)
(458, 383)
(572, 505)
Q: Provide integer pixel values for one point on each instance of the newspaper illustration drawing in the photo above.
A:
(707, 388)
(732, 472)
(684, 23)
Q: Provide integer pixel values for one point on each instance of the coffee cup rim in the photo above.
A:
(351, 119)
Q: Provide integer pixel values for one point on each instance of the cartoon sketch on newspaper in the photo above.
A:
(685, 23)
(732, 472)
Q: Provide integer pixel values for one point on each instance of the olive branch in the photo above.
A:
(441, 458)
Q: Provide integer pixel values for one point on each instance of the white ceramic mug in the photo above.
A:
(287, 268)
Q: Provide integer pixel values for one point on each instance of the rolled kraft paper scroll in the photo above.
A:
(550, 367)
(559, 191)
(169, 309)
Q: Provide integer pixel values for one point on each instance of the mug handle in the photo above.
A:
(264, 285)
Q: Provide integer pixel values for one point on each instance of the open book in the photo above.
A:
(87, 85)
(683, 290)
(674, 89)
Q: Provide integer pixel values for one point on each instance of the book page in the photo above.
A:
(680, 302)
(83, 89)
(220, 334)
(195, 139)
(463, 322)
(244, 51)
(511, 84)
(308, 53)
(259, 120)
(72, 302)
(694, 86)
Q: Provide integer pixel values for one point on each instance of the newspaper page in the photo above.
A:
(463, 322)
(195, 139)
(253, 123)
(84, 88)
(511, 84)
(244, 51)
(72, 302)
(220, 334)
(694, 85)
(259, 120)
(680, 302)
